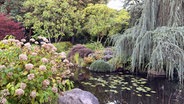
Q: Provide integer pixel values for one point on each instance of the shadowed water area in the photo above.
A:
(117, 88)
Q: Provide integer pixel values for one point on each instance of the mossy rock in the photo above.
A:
(101, 66)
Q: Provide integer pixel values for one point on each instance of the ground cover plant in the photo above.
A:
(32, 73)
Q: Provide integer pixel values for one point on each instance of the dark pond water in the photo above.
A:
(117, 88)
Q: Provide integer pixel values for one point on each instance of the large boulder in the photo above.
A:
(77, 96)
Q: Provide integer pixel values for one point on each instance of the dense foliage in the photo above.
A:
(66, 19)
(32, 74)
(52, 19)
(10, 27)
(101, 66)
(102, 21)
(63, 46)
(11, 7)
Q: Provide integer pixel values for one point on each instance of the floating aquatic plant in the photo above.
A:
(119, 83)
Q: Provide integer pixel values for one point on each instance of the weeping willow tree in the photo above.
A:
(156, 42)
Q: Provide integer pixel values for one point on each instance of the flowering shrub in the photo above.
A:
(31, 73)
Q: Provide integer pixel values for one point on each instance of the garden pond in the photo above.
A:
(117, 88)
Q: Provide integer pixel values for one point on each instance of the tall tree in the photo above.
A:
(52, 18)
(102, 21)
(156, 43)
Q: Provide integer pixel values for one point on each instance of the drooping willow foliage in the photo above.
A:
(157, 41)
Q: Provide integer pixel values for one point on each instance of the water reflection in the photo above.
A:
(127, 89)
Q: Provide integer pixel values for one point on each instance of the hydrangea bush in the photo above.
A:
(31, 73)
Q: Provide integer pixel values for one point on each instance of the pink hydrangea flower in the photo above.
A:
(23, 86)
(46, 82)
(63, 82)
(3, 101)
(71, 64)
(42, 43)
(45, 39)
(49, 47)
(62, 55)
(19, 44)
(32, 40)
(5, 92)
(67, 71)
(33, 94)
(30, 76)
(40, 37)
(34, 53)
(29, 66)
(2, 66)
(53, 69)
(36, 42)
(5, 41)
(44, 60)
(23, 57)
(55, 89)
(19, 92)
(42, 68)
(65, 61)
(52, 62)
(23, 40)
(72, 74)
(28, 45)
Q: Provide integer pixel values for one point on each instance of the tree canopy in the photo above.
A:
(102, 21)
(52, 18)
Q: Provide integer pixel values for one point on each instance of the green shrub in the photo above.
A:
(63, 46)
(101, 66)
(95, 46)
(31, 74)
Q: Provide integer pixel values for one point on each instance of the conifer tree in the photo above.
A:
(156, 42)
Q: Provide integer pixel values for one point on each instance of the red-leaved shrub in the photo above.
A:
(10, 27)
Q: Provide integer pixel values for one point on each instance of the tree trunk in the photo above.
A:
(158, 13)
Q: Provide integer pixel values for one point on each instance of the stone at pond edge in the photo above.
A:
(77, 96)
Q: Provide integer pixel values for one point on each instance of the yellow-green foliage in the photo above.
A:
(31, 74)
(52, 18)
(101, 20)
(95, 46)
(63, 46)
